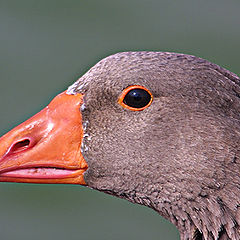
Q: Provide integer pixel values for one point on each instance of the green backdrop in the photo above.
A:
(44, 47)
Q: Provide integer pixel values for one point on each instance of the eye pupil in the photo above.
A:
(137, 98)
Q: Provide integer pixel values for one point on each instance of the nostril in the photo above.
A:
(20, 146)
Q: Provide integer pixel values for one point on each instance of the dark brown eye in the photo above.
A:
(135, 98)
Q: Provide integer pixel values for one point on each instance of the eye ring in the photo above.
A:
(140, 90)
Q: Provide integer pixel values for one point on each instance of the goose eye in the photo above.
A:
(135, 98)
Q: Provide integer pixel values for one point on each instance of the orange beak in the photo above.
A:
(47, 147)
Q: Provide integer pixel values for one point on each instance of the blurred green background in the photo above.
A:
(47, 45)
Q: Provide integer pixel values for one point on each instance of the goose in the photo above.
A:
(159, 129)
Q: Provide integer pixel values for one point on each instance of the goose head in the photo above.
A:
(158, 129)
